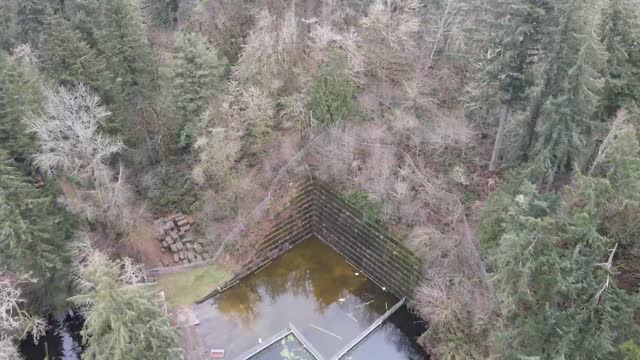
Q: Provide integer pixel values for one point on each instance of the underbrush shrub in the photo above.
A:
(332, 93)
(233, 23)
(371, 208)
(630, 350)
(169, 186)
(256, 110)
(491, 221)
(454, 332)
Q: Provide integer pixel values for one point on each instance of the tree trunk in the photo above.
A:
(505, 108)
(310, 12)
(552, 176)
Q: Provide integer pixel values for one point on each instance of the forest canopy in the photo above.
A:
(498, 139)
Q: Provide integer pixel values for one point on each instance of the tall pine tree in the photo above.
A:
(123, 315)
(197, 71)
(19, 94)
(553, 276)
(563, 108)
(121, 39)
(519, 27)
(32, 16)
(33, 233)
(621, 40)
(8, 25)
(67, 58)
(163, 13)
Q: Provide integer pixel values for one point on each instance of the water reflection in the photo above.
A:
(311, 287)
(62, 341)
(395, 339)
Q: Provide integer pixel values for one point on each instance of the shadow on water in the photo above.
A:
(62, 340)
(316, 290)
(396, 338)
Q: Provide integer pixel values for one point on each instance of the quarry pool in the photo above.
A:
(313, 290)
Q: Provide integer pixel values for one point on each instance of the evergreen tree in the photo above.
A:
(32, 16)
(553, 277)
(568, 98)
(519, 28)
(332, 93)
(8, 25)
(67, 58)
(33, 231)
(163, 13)
(621, 39)
(624, 172)
(121, 39)
(123, 317)
(197, 72)
(19, 94)
(82, 15)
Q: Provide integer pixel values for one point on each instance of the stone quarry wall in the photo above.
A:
(317, 211)
(366, 245)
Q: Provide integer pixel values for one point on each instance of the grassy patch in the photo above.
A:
(187, 287)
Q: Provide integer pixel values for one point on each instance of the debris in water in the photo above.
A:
(325, 331)
(365, 304)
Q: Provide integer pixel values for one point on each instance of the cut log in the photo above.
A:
(198, 248)
(165, 260)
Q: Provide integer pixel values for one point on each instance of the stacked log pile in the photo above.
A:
(174, 234)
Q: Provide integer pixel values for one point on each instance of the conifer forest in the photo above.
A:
(498, 140)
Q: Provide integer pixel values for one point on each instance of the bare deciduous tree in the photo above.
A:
(389, 39)
(71, 143)
(273, 47)
(8, 350)
(218, 151)
(618, 127)
(69, 134)
(325, 37)
(444, 22)
(14, 321)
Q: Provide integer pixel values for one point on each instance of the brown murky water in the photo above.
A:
(313, 288)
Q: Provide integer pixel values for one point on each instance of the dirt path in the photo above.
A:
(142, 244)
